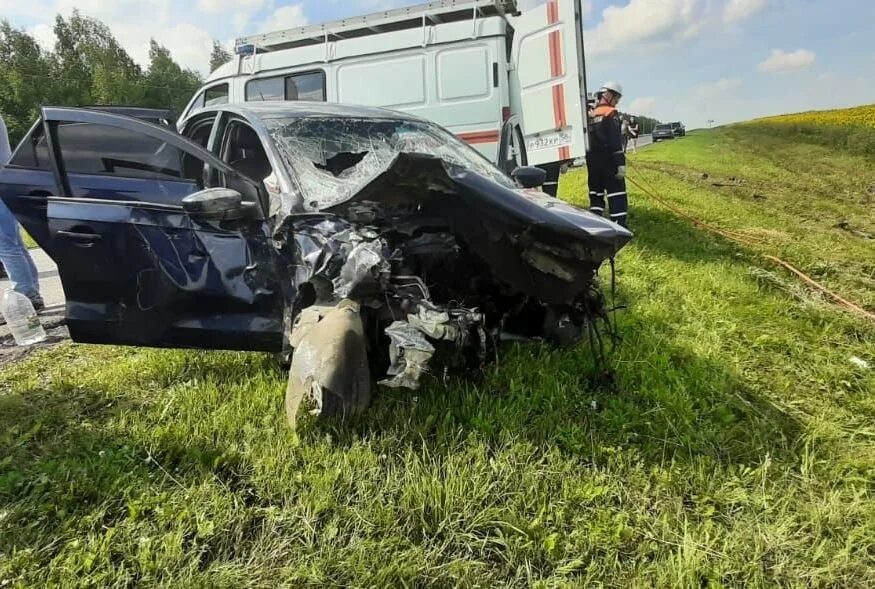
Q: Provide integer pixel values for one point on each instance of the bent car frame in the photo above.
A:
(369, 245)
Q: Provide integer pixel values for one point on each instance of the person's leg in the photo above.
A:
(596, 189)
(618, 201)
(551, 182)
(17, 261)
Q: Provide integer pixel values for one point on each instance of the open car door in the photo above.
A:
(547, 85)
(140, 262)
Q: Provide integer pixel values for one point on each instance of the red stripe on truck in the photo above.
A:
(554, 40)
(478, 137)
(552, 12)
(560, 117)
(559, 106)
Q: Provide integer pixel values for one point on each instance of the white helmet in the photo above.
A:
(613, 87)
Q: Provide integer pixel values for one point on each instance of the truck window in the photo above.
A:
(216, 95)
(212, 96)
(304, 86)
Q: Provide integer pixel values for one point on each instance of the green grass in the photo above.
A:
(29, 243)
(737, 447)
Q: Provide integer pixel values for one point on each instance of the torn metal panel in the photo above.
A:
(365, 263)
(409, 354)
(330, 365)
(415, 342)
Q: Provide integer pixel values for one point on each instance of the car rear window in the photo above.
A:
(663, 127)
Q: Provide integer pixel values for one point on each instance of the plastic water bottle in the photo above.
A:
(22, 319)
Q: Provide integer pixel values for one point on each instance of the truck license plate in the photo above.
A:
(551, 141)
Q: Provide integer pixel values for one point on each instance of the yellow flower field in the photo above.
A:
(857, 116)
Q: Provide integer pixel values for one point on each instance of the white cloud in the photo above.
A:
(783, 61)
(45, 36)
(230, 6)
(644, 22)
(359, 7)
(741, 9)
(240, 12)
(722, 87)
(642, 106)
(133, 23)
(285, 17)
(186, 29)
(189, 45)
(35, 10)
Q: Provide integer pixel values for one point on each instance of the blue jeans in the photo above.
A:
(14, 256)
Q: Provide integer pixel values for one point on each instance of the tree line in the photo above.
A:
(86, 67)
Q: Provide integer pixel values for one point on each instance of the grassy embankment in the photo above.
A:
(738, 448)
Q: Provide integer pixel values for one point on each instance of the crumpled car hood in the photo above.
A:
(538, 244)
(440, 263)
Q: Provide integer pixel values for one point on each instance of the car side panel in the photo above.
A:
(24, 191)
(156, 277)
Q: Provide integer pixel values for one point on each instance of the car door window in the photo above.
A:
(94, 149)
(199, 130)
(32, 152)
(244, 151)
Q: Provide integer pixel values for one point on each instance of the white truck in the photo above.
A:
(511, 84)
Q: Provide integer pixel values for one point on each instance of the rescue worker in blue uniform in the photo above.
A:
(605, 158)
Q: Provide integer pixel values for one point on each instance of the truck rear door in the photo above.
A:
(547, 82)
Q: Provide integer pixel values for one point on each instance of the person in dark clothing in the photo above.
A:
(605, 159)
(634, 132)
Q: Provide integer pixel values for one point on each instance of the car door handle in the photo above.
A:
(80, 239)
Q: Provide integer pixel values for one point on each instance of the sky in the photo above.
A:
(695, 61)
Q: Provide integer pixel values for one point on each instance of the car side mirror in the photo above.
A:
(529, 176)
(216, 204)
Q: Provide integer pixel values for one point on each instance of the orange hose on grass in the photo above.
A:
(746, 240)
(811, 282)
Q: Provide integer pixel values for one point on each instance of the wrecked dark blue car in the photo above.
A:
(376, 246)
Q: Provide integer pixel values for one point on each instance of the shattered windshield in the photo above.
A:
(334, 158)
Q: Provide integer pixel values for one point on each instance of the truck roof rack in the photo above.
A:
(437, 12)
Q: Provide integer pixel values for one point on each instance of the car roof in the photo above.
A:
(288, 109)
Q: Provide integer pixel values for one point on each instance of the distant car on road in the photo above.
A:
(663, 132)
(678, 129)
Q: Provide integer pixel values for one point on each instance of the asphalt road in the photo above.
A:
(644, 140)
